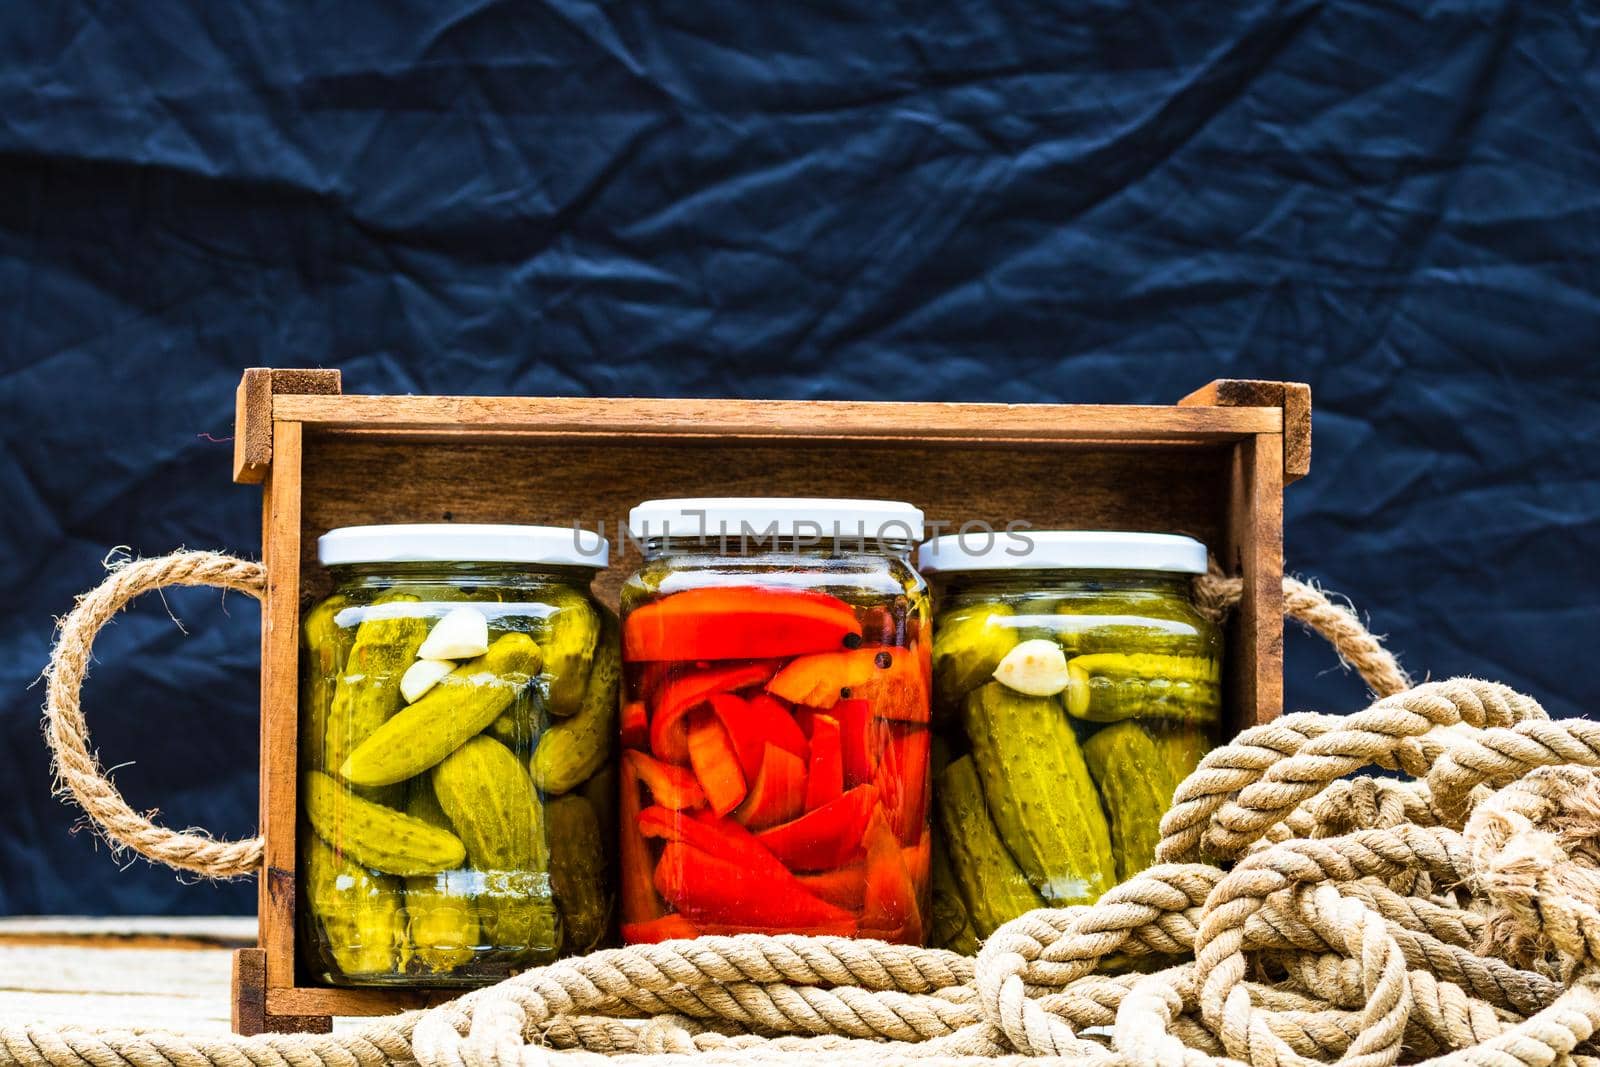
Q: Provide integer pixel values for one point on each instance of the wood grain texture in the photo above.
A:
(311, 1001)
(1292, 398)
(280, 648)
(1253, 549)
(252, 423)
(586, 417)
(85, 932)
(252, 1013)
(355, 480)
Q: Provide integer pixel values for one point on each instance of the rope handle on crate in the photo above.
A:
(78, 771)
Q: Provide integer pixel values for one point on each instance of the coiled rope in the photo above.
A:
(1298, 915)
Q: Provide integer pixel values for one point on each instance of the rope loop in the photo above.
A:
(76, 768)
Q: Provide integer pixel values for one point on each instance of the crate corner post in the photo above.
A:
(249, 1008)
(1263, 464)
(267, 451)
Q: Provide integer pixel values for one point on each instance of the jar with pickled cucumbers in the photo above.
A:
(775, 737)
(457, 731)
(1075, 685)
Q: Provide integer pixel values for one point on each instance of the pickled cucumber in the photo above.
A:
(1182, 748)
(464, 703)
(968, 644)
(993, 887)
(569, 639)
(324, 647)
(577, 872)
(1111, 686)
(574, 748)
(367, 693)
(359, 911)
(491, 803)
(952, 926)
(373, 835)
(1134, 781)
(1123, 620)
(1039, 793)
(441, 921)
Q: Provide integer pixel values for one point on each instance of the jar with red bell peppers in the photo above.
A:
(777, 673)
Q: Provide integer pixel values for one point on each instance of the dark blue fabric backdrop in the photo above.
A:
(1109, 201)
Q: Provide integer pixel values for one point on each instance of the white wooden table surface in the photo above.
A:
(167, 973)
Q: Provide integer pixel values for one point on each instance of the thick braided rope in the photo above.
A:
(1383, 975)
(76, 768)
(1240, 791)
(1333, 898)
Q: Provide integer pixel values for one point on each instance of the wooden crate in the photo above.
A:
(1214, 465)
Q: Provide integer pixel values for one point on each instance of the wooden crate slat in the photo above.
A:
(591, 417)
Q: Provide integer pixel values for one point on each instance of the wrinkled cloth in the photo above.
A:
(1097, 201)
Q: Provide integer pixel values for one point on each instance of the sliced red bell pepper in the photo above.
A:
(639, 901)
(778, 793)
(827, 928)
(889, 908)
(902, 689)
(670, 786)
(722, 837)
(902, 779)
(666, 928)
(679, 695)
(825, 776)
(844, 886)
(635, 725)
(858, 742)
(753, 724)
(710, 889)
(818, 680)
(825, 838)
(737, 622)
(919, 860)
(715, 763)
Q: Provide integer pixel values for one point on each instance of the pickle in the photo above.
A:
(461, 705)
(952, 926)
(324, 647)
(577, 872)
(601, 793)
(491, 803)
(373, 835)
(367, 692)
(569, 638)
(993, 887)
(359, 911)
(968, 644)
(571, 750)
(1182, 747)
(1039, 792)
(441, 924)
(1133, 778)
(521, 725)
(1125, 620)
(1111, 686)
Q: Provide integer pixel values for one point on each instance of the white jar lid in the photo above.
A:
(777, 516)
(1089, 550)
(463, 542)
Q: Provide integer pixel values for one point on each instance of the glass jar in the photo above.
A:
(775, 721)
(457, 715)
(1075, 685)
